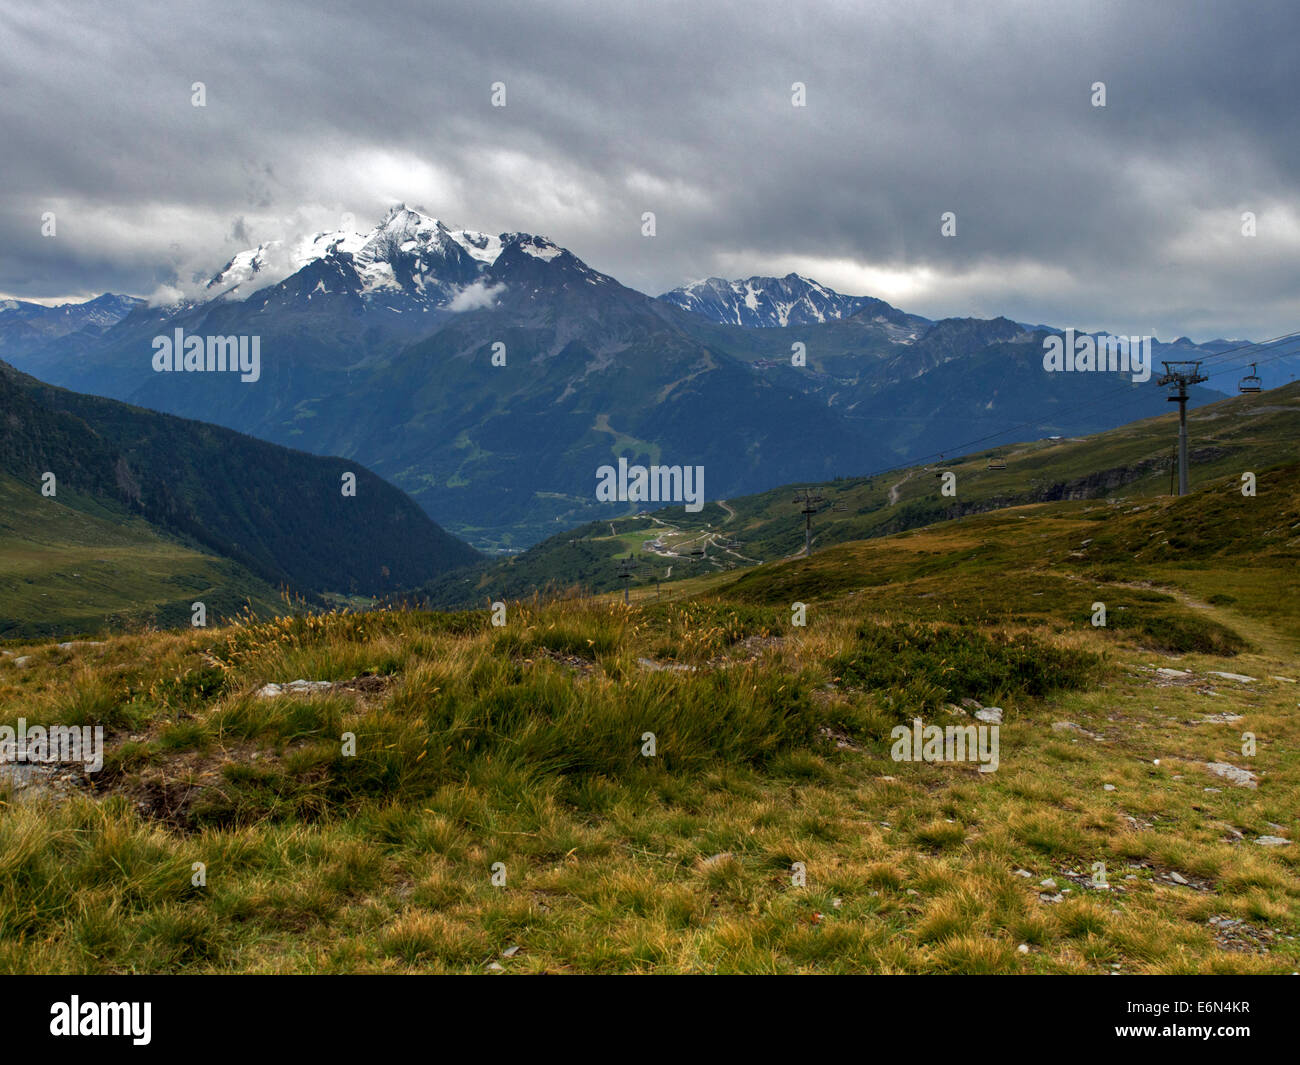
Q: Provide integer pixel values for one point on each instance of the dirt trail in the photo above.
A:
(893, 490)
(1271, 647)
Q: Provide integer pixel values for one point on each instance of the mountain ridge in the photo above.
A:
(281, 514)
(490, 376)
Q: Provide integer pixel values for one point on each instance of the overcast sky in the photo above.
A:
(1126, 217)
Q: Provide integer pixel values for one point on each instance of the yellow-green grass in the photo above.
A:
(66, 570)
(522, 745)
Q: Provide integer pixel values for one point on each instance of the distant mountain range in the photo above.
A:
(767, 302)
(385, 347)
(28, 326)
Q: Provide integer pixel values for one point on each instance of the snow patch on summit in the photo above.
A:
(765, 301)
(540, 248)
(481, 246)
(410, 261)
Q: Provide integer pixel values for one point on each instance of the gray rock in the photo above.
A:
(1243, 778)
(661, 667)
(294, 687)
(27, 780)
(1070, 726)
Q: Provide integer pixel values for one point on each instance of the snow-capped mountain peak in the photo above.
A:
(410, 257)
(766, 301)
(403, 231)
(411, 261)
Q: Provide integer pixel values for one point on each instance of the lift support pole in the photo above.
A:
(1182, 374)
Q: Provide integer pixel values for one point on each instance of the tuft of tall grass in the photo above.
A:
(921, 667)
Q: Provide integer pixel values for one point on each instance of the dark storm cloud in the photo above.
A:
(1126, 217)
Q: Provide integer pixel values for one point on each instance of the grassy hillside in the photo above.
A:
(208, 508)
(66, 571)
(1246, 433)
(770, 831)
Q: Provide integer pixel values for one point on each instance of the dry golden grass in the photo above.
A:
(771, 832)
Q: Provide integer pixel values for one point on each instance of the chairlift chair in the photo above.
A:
(1250, 383)
(997, 462)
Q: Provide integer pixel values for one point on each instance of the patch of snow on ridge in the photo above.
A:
(482, 246)
(320, 245)
(539, 248)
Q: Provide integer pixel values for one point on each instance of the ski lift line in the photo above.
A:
(1109, 398)
(1251, 382)
(1261, 362)
(955, 449)
(966, 446)
(1132, 400)
(1226, 371)
(1247, 347)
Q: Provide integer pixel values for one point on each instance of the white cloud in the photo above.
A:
(166, 296)
(475, 297)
